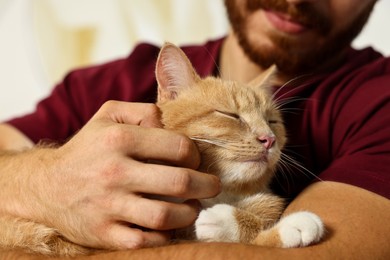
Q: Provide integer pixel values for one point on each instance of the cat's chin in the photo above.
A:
(250, 175)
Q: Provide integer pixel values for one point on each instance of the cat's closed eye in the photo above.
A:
(271, 122)
(228, 114)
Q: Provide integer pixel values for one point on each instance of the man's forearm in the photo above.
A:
(357, 228)
(14, 158)
(201, 251)
(19, 180)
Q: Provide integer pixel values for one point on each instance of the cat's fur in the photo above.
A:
(239, 133)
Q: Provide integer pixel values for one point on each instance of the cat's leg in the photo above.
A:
(217, 224)
(295, 230)
(240, 223)
(21, 234)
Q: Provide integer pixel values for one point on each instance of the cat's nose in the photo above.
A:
(267, 141)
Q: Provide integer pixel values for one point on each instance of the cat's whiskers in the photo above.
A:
(291, 151)
(292, 162)
(291, 110)
(284, 168)
(239, 153)
(217, 142)
(224, 143)
(280, 102)
(210, 165)
(283, 102)
(288, 83)
(214, 61)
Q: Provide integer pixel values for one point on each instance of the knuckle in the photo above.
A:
(101, 232)
(159, 218)
(109, 105)
(112, 172)
(181, 183)
(107, 204)
(106, 108)
(151, 116)
(137, 242)
(115, 136)
(151, 110)
(185, 150)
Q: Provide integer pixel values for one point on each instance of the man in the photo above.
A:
(91, 187)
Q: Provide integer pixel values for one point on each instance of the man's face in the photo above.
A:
(297, 35)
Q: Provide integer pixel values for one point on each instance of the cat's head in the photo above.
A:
(238, 130)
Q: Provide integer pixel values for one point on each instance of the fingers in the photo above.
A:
(121, 236)
(156, 214)
(159, 144)
(142, 114)
(153, 143)
(171, 181)
(139, 138)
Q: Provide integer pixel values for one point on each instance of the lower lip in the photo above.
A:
(284, 25)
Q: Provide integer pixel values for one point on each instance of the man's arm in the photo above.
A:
(357, 228)
(93, 185)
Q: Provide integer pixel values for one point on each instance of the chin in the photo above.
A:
(245, 177)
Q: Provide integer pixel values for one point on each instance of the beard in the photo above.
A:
(289, 54)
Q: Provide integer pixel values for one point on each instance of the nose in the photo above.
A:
(267, 141)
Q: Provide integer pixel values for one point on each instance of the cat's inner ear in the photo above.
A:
(174, 72)
(264, 83)
(266, 79)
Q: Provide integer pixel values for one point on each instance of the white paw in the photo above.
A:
(218, 224)
(300, 229)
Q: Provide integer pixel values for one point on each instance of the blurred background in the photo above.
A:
(41, 40)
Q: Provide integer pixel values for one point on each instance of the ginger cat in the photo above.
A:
(239, 133)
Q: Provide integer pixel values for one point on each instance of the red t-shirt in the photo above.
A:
(338, 123)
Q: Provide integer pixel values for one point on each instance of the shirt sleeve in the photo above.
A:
(82, 92)
(70, 105)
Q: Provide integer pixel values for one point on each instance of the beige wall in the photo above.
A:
(43, 39)
(90, 31)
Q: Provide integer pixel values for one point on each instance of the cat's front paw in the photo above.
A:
(300, 229)
(218, 224)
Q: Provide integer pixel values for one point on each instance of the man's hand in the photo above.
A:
(92, 188)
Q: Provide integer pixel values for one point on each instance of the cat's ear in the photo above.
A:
(174, 72)
(266, 79)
